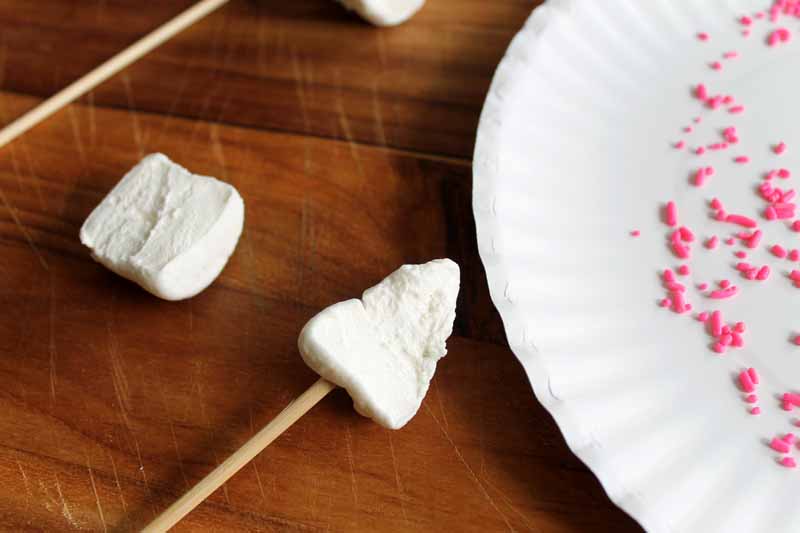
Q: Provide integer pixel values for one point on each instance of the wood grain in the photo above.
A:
(351, 147)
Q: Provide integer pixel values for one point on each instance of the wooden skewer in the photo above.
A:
(296, 409)
(100, 74)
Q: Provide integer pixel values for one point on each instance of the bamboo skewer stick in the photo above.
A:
(296, 409)
(100, 74)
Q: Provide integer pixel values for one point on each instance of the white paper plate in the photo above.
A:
(573, 152)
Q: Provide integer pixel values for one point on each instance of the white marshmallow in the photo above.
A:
(383, 348)
(165, 228)
(384, 12)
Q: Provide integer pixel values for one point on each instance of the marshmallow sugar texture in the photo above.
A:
(383, 348)
(165, 228)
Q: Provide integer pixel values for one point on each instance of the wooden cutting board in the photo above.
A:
(351, 146)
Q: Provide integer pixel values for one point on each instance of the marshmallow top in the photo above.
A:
(383, 348)
(165, 228)
(384, 12)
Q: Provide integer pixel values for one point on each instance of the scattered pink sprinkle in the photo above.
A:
(702, 317)
(741, 220)
(778, 251)
(700, 150)
(746, 382)
(724, 284)
(703, 286)
(779, 445)
(746, 33)
(718, 347)
(737, 341)
(701, 92)
(789, 462)
(797, 340)
(688, 129)
(746, 21)
(796, 225)
(668, 276)
(739, 327)
(703, 36)
(723, 294)
(755, 410)
(666, 302)
(686, 234)
(679, 145)
(635, 233)
(729, 241)
(781, 35)
(741, 254)
(731, 55)
(742, 159)
(672, 214)
(754, 240)
(712, 242)
(716, 65)
(697, 120)
(794, 255)
(681, 251)
(736, 109)
(683, 270)
(784, 173)
(716, 204)
(780, 148)
(763, 273)
(751, 398)
(770, 213)
(716, 323)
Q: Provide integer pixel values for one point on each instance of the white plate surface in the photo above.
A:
(574, 151)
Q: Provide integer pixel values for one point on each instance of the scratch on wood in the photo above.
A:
(380, 133)
(471, 472)
(31, 171)
(137, 132)
(96, 496)
(13, 213)
(65, 511)
(116, 480)
(92, 118)
(216, 147)
(255, 459)
(344, 124)
(76, 134)
(399, 485)
(348, 439)
(510, 505)
(52, 338)
(28, 491)
(381, 48)
(165, 406)
(441, 405)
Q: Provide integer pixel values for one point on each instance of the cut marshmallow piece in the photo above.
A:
(383, 348)
(165, 228)
(384, 12)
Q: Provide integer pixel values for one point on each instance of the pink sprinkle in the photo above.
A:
(703, 286)
(743, 267)
(701, 92)
(716, 323)
(780, 148)
(786, 406)
(755, 410)
(672, 214)
(794, 255)
(686, 234)
(742, 159)
(683, 270)
(724, 293)
(678, 303)
(784, 173)
(746, 33)
(716, 65)
(697, 120)
(745, 381)
(741, 220)
(778, 251)
(779, 446)
(726, 330)
(741, 254)
(737, 341)
(674, 286)
(703, 36)
(753, 374)
(720, 216)
(735, 110)
(751, 398)
(763, 273)
(746, 21)
(668, 276)
(755, 239)
(789, 462)
(789, 438)
(700, 150)
(729, 241)
(716, 204)
(731, 55)
(635, 233)
(760, 15)
(679, 145)
(681, 251)
(796, 225)
(715, 101)
(726, 339)
(702, 317)
(739, 327)
(794, 275)
(791, 399)
(718, 347)
(770, 213)
(712, 242)
(724, 284)
(688, 129)
(666, 302)
(700, 177)
(797, 340)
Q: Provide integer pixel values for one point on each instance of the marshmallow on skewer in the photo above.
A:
(384, 12)
(165, 228)
(383, 348)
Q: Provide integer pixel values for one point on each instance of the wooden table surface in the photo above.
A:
(351, 146)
